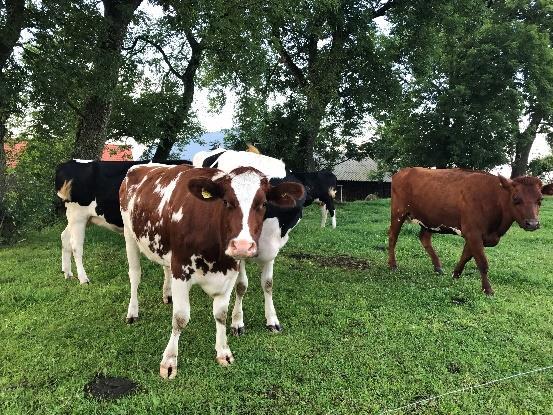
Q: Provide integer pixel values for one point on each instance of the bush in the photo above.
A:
(30, 198)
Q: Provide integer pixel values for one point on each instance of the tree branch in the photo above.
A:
(381, 11)
(287, 59)
(163, 54)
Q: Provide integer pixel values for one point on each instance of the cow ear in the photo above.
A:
(507, 184)
(285, 194)
(205, 189)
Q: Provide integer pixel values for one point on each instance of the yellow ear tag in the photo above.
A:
(206, 194)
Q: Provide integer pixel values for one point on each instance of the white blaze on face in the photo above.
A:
(245, 186)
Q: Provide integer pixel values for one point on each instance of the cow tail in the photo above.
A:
(65, 191)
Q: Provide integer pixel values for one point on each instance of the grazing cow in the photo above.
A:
(199, 223)
(547, 189)
(277, 225)
(90, 191)
(478, 206)
(320, 187)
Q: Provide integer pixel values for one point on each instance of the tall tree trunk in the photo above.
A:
(524, 142)
(178, 119)
(91, 129)
(9, 35)
(314, 117)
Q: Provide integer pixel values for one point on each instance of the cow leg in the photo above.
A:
(465, 257)
(77, 231)
(397, 219)
(267, 285)
(66, 253)
(324, 213)
(476, 246)
(133, 257)
(330, 207)
(167, 277)
(237, 325)
(220, 309)
(181, 316)
(425, 237)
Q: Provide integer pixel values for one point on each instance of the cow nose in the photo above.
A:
(531, 224)
(242, 248)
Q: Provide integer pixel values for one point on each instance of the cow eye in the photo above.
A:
(517, 200)
(226, 203)
(262, 205)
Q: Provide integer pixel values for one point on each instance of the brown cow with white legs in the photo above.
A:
(198, 224)
(478, 206)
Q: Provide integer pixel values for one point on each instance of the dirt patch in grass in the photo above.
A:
(340, 261)
(103, 387)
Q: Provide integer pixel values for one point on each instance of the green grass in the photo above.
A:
(354, 341)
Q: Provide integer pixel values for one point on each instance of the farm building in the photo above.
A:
(355, 183)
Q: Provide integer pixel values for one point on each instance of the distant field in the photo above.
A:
(357, 338)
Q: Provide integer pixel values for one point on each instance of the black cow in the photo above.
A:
(277, 224)
(90, 191)
(321, 188)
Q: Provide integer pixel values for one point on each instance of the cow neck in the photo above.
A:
(507, 217)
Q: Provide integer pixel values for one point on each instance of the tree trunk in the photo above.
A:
(524, 142)
(9, 35)
(91, 129)
(309, 136)
(177, 120)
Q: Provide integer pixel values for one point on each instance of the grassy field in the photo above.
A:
(357, 338)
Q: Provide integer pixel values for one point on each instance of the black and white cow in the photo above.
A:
(90, 191)
(321, 188)
(277, 224)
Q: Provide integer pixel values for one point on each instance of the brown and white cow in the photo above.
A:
(478, 206)
(198, 223)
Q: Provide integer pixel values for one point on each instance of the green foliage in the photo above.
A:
(31, 201)
(473, 73)
(354, 340)
(542, 167)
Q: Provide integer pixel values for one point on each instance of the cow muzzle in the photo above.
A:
(531, 224)
(242, 248)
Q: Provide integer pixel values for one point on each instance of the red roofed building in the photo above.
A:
(13, 152)
(116, 152)
(112, 152)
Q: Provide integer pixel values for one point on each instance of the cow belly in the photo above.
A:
(146, 246)
(270, 240)
(445, 229)
(101, 221)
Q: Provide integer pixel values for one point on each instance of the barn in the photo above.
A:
(356, 180)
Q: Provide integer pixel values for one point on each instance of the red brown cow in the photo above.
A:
(198, 223)
(478, 206)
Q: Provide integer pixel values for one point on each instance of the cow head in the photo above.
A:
(243, 194)
(524, 200)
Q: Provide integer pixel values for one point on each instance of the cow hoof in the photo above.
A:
(168, 370)
(84, 280)
(238, 331)
(275, 328)
(456, 275)
(67, 275)
(438, 270)
(393, 267)
(488, 291)
(168, 300)
(131, 320)
(226, 359)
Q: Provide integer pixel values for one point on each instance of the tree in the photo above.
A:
(473, 71)
(326, 62)
(96, 108)
(12, 22)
